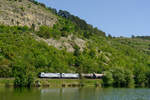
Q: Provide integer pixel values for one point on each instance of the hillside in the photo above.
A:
(62, 43)
(24, 12)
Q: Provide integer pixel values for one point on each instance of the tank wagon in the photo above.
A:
(92, 76)
(70, 75)
(98, 75)
(87, 75)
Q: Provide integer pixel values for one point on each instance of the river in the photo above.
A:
(75, 94)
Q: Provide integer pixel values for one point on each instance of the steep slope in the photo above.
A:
(33, 14)
(24, 12)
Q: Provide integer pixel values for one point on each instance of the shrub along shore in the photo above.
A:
(58, 83)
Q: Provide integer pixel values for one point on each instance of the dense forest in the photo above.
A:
(124, 61)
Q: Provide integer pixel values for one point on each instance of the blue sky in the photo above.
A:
(115, 17)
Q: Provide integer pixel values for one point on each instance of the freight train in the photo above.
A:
(70, 75)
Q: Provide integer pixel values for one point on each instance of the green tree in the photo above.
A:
(108, 78)
(23, 76)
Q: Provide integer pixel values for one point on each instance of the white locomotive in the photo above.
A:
(50, 75)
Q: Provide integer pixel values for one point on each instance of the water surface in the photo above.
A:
(75, 94)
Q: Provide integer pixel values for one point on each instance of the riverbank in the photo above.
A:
(8, 82)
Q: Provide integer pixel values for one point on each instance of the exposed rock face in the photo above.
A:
(65, 42)
(24, 12)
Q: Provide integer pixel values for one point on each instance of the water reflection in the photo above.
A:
(60, 94)
(19, 94)
(95, 94)
(74, 94)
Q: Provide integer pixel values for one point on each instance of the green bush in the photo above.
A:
(140, 76)
(5, 71)
(122, 77)
(108, 78)
(22, 74)
(45, 32)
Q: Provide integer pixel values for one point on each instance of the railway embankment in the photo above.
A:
(53, 83)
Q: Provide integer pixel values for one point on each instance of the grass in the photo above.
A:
(6, 82)
(70, 82)
(57, 82)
